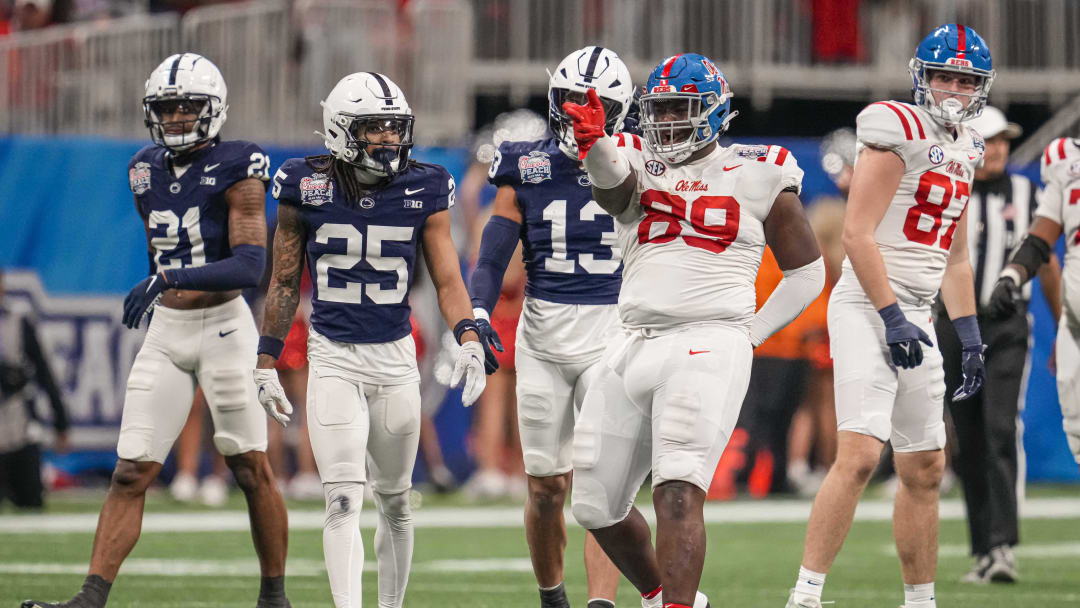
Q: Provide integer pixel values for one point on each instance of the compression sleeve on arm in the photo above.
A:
(792, 295)
(607, 166)
(243, 269)
(497, 245)
(1032, 253)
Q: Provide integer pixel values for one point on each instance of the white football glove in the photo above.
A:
(470, 365)
(272, 396)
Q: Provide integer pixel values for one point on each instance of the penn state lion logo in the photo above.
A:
(534, 168)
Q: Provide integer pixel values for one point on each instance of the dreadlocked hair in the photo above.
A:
(345, 175)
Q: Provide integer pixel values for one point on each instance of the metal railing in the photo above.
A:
(280, 57)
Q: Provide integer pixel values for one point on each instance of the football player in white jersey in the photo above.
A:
(905, 236)
(1058, 214)
(692, 220)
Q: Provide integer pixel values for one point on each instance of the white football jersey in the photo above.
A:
(917, 230)
(1061, 203)
(693, 235)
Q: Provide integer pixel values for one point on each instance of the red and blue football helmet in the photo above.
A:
(685, 106)
(952, 48)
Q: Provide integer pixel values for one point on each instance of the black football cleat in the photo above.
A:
(37, 604)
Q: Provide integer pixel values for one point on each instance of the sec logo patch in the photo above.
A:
(936, 154)
(655, 167)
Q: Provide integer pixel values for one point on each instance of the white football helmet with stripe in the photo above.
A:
(188, 83)
(362, 104)
(593, 67)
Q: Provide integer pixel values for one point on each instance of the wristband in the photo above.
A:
(463, 326)
(270, 345)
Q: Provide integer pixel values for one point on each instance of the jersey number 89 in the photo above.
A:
(714, 218)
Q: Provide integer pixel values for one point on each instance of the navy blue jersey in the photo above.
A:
(188, 215)
(361, 255)
(567, 239)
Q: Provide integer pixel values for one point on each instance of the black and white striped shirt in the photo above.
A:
(999, 213)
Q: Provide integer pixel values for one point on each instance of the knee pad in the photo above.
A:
(590, 506)
(396, 508)
(343, 503)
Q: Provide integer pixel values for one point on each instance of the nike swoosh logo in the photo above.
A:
(211, 167)
(698, 352)
(225, 333)
(409, 192)
(151, 283)
(726, 168)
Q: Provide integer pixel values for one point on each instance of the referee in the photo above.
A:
(1000, 210)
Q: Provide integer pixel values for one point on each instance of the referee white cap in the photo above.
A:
(992, 122)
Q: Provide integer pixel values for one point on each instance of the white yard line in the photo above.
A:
(770, 511)
(250, 567)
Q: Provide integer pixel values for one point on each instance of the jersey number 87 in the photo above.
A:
(935, 186)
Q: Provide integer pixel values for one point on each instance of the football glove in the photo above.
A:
(1004, 297)
(588, 122)
(272, 396)
(470, 367)
(142, 298)
(903, 337)
(974, 368)
(489, 338)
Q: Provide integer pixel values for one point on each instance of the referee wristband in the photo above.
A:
(463, 326)
(269, 345)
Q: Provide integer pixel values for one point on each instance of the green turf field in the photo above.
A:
(747, 565)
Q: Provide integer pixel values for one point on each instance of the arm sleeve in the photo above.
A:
(497, 245)
(792, 295)
(43, 375)
(243, 269)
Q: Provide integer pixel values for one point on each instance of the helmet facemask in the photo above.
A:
(561, 124)
(676, 125)
(171, 133)
(376, 143)
(951, 111)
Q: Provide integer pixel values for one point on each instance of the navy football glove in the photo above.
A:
(489, 339)
(142, 298)
(974, 373)
(967, 329)
(903, 337)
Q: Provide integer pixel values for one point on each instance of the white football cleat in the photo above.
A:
(214, 492)
(701, 601)
(184, 487)
(806, 602)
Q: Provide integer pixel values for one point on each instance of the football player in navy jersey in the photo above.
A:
(574, 270)
(360, 215)
(202, 203)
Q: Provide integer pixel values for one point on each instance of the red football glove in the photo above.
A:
(588, 122)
